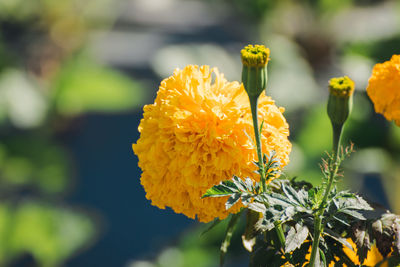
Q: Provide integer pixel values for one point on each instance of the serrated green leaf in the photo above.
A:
(277, 199)
(362, 240)
(341, 220)
(337, 237)
(225, 188)
(246, 199)
(228, 236)
(295, 237)
(354, 214)
(239, 183)
(257, 207)
(295, 197)
(249, 184)
(232, 200)
(351, 201)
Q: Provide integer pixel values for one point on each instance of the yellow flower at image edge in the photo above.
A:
(195, 135)
(384, 88)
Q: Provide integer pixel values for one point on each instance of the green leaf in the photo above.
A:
(341, 220)
(298, 198)
(257, 207)
(295, 237)
(228, 236)
(318, 260)
(337, 237)
(386, 231)
(322, 254)
(239, 183)
(345, 200)
(246, 198)
(225, 188)
(277, 199)
(362, 240)
(249, 184)
(354, 214)
(232, 200)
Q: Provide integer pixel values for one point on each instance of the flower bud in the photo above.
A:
(340, 99)
(254, 75)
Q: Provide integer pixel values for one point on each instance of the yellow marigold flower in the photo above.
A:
(373, 255)
(384, 88)
(194, 136)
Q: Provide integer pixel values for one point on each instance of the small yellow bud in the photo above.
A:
(255, 56)
(254, 74)
(340, 100)
(341, 86)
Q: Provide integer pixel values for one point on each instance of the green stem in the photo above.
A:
(281, 236)
(318, 226)
(337, 134)
(253, 105)
(257, 134)
(315, 244)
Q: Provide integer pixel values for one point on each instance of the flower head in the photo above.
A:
(255, 55)
(384, 88)
(341, 86)
(195, 136)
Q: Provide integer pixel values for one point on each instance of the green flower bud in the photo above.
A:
(254, 75)
(340, 99)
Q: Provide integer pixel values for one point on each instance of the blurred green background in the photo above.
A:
(74, 76)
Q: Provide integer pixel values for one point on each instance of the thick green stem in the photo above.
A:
(318, 226)
(315, 245)
(253, 105)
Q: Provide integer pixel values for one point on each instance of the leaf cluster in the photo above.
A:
(293, 207)
(384, 231)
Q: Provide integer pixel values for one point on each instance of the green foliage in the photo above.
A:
(384, 231)
(50, 234)
(294, 206)
(85, 86)
(236, 189)
(296, 237)
(21, 165)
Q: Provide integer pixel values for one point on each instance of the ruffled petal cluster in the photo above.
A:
(384, 88)
(195, 135)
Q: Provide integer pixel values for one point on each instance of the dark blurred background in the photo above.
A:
(74, 76)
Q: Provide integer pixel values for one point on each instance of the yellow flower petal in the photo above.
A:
(384, 88)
